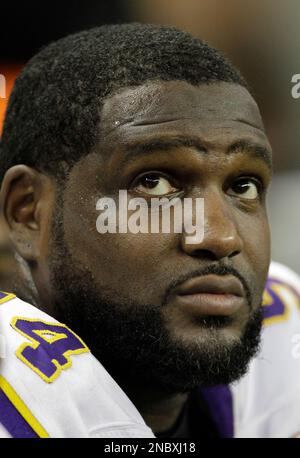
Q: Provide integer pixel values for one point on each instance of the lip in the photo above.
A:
(212, 284)
(211, 295)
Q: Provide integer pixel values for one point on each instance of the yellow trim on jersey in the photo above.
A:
(6, 298)
(35, 344)
(22, 408)
(268, 301)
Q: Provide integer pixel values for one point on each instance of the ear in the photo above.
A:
(26, 201)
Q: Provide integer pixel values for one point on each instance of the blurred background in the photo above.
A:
(261, 37)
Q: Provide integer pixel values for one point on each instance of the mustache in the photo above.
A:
(215, 269)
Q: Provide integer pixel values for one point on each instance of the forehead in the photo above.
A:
(166, 102)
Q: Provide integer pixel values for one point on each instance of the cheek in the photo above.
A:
(256, 237)
(129, 261)
(135, 257)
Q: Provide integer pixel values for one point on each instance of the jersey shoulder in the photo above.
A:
(50, 383)
(281, 298)
(267, 398)
(284, 273)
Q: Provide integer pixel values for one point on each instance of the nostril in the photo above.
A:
(205, 255)
(234, 253)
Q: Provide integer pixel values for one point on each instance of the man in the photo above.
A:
(6, 260)
(158, 113)
(12, 268)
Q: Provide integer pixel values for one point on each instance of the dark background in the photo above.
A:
(27, 26)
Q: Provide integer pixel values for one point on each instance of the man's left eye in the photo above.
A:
(247, 188)
(154, 184)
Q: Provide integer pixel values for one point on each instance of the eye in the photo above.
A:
(247, 188)
(154, 184)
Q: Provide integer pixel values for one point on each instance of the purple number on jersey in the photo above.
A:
(50, 349)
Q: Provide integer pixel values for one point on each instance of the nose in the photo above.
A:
(221, 237)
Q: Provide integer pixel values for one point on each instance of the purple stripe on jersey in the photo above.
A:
(12, 420)
(277, 306)
(219, 402)
(2, 295)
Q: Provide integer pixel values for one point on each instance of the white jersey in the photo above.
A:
(265, 403)
(52, 386)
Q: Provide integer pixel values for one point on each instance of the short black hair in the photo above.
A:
(54, 110)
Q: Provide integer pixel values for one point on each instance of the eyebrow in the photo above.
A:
(255, 149)
(139, 148)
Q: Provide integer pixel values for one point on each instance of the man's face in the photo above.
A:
(152, 306)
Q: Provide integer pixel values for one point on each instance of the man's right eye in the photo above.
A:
(154, 184)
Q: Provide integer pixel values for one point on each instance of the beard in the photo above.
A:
(132, 340)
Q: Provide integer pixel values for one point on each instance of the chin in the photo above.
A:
(202, 330)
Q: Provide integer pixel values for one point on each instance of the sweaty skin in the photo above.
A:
(202, 139)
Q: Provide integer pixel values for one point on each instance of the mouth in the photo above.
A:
(211, 295)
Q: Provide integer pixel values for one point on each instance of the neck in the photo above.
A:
(159, 410)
